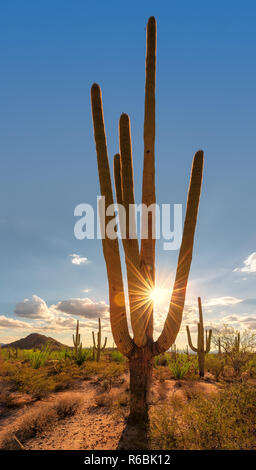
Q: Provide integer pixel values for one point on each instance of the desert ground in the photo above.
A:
(61, 404)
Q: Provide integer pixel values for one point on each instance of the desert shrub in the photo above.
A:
(104, 400)
(226, 421)
(214, 364)
(82, 356)
(116, 356)
(67, 405)
(39, 358)
(180, 367)
(250, 367)
(161, 360)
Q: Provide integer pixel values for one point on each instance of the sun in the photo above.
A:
(158, 295)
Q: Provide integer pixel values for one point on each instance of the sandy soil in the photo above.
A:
(94, 427)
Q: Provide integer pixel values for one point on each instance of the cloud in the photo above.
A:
(32, 308)
(249, 264)
(83, 307)
(223, 301)
(6, 322)
(77, 259)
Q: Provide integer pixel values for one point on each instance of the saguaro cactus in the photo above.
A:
(140, 261)
(202, 347)
(97, 347)
(237, 342)
(219, 347)
(76, 339)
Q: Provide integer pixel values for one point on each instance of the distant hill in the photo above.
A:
(36, 341)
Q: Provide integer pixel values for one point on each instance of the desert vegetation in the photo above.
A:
(186, 410)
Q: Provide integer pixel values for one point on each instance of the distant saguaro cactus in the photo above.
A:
(237, 342)
(219, 347)
(140, 261)
(76, 339)
(97, 347)
(202, 348)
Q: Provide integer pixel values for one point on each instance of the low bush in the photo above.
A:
(226, 421)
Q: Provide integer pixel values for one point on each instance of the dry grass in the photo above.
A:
(113, 399)
(215, 422)
(37, 420)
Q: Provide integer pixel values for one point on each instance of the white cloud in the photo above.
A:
(83, 307)
(77, 259)
(249, 264)
(32, 308)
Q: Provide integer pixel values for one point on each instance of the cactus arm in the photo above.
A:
(118, 317)
(174, 317)
(147, 254)
(200, 327)
(99, 334)
(117, 178)
(190, 340)
(104, 345)
(208, 344)
(132, 247)
(136, 280)
(93, 337)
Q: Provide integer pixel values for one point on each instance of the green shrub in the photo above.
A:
(39, 358)
(180, 367)
(116, 356)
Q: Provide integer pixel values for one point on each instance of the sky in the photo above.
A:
(51, 53)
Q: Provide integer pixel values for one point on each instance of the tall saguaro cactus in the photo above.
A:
(140, 260)
(97, 347)
(76, 339)
(203, 347)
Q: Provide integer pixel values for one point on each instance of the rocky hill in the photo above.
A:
(36, 341)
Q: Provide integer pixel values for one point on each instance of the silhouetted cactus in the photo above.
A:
(98, 348)
(202, 348)
(140, 261)
(237, 343)
(76, 340)
(219, 347)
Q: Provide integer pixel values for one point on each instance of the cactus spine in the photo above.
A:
(76, 339)
(140, 261)
(98, 348)
(202, 347)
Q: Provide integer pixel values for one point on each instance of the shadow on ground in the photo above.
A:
(134, 437)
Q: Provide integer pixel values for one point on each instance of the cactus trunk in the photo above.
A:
(141, 366)
(97, 347)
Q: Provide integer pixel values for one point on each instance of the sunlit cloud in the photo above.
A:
(32, 308)
(222, 301)
(249, 264)
(7, 322)
(83, 307)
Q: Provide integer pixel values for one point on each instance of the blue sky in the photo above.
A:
(51, 53)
